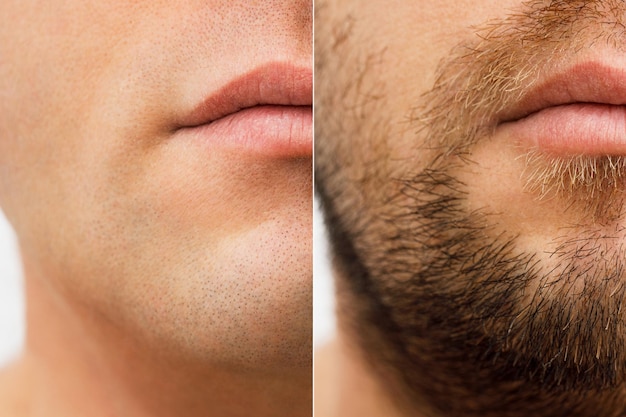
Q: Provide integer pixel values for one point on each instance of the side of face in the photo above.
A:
(196, 248)
(472, 292)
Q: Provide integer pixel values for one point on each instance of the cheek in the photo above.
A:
(49, 63)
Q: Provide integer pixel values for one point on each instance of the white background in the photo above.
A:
(323, 293)
(11, 298)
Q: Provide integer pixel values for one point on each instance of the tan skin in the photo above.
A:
(161, 279)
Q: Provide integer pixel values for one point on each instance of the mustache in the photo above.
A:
(480, 81)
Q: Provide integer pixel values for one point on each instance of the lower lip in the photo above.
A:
(573, 129)
(267, 131)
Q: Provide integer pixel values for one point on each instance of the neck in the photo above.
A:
(346, 386)
(76, 363)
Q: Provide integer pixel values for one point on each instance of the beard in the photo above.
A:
(454, 312)
(470, 325)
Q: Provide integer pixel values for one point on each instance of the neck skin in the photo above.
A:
(77, 364)
(345, 386)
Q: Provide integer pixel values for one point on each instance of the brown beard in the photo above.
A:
(460, 320)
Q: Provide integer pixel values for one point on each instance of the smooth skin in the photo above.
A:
(164, 277)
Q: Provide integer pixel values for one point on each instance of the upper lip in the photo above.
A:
(278, 84)
(589, 82)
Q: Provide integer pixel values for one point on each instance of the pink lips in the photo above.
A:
(267, 112)
(581, 111)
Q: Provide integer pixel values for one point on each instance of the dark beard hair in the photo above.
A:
(450, 312)
(458, 327)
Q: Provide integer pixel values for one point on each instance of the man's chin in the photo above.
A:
(469, 318)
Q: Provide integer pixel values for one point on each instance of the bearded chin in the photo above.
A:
(459, 315)
(473, 326)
